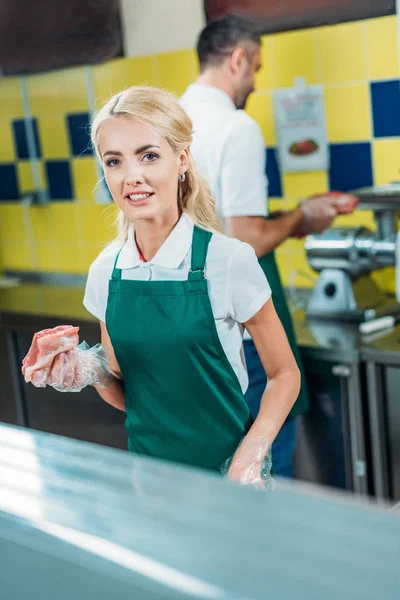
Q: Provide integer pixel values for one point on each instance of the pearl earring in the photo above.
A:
(182, 177)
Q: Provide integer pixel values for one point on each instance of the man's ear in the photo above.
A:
(237, 59)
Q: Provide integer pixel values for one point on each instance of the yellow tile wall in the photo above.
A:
(344, 59)
(116, 75)
(348, 113)
(295, 55)
(382, 48)
(67, 236)
(10, 108)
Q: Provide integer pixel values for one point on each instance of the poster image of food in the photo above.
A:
(301, 129)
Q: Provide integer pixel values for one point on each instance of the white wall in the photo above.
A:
(154, 26)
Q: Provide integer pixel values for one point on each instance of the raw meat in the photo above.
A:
(46, 346)
(344, 203)
(63, 370)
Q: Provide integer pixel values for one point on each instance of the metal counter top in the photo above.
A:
(38, 306)
(81, 521)
(384, 348)
(41, 301)
(42, 305)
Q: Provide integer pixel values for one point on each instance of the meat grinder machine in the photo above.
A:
(345, 258)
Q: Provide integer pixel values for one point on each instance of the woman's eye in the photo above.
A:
(150, 156)
(112, 162)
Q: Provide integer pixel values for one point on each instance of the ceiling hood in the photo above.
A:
(280, 15)
(41, 35)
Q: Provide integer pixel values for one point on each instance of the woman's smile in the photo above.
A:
(139, 199)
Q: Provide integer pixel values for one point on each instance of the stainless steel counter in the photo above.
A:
(32, 303)
(333, 352)
(383, 348)
(81, 521)
(39, 304)
(381, 357)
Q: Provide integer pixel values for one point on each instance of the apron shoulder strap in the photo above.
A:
(200, 241)
(116, 273)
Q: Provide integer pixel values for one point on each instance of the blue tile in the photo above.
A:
(20, 140)
(59, 179)
(273, 174)
(8, 183)
(385, 97)
(78, 126)
(107, 191)
(351, 166)
(103, 184)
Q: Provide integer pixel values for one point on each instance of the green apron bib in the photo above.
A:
(183, 399)
(270, 269)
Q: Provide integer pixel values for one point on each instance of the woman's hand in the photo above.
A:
(83, 366)
(76, 369)
(251, 463)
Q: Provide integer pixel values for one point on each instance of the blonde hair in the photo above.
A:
(160, 110)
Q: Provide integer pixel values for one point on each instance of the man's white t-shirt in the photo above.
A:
(229, 150)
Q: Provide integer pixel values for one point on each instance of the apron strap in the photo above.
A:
(116, 273)
(200, 241)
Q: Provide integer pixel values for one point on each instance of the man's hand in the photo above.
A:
(320, 211)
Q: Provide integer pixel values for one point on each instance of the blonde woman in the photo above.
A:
(173, 294)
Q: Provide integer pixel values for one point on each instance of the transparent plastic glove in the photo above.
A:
(75, 369)
(251, 464)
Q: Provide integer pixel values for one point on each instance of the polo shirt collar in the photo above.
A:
(170, 255)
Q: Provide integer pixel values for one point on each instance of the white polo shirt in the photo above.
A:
(237, 285)
(229, 150)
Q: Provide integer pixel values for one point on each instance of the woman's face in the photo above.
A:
(141, 169)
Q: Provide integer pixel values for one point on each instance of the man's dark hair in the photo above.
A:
(219, 39)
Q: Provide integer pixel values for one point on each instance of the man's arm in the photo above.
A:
(243, 201)
(314, 215)
(265, 234)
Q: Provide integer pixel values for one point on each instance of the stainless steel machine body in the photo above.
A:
(346, 257)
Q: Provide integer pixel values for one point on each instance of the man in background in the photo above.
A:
(229, 150)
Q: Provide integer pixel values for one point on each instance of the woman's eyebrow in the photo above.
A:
(138, 151)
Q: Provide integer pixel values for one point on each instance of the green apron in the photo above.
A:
(270, 269)
(183, 399)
